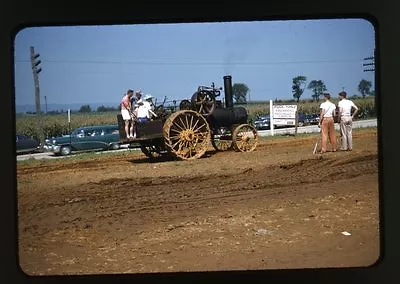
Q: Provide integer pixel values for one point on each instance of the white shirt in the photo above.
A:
(345, 106)
(143, 110)
(328, 108)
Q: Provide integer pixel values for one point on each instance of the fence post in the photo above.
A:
(271, 117)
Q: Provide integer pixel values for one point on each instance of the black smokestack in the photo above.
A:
(228, 91)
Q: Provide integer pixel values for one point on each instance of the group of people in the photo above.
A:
(135, 109)
(345, 112)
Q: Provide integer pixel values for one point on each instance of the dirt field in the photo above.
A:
(277, 207)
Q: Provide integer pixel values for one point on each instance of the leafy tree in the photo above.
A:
(299, 84)
(85, 108)
(364, 87)
(240, 91)
(318, 87)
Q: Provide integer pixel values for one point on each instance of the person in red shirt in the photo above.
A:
(127, 115)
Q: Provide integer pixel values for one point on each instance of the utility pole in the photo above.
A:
(45, 103)
(36, 70)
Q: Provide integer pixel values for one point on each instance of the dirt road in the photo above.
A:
(277, 207)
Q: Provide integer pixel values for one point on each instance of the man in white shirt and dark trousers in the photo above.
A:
(346, 121)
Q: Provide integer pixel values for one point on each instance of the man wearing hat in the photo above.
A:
(144, 110)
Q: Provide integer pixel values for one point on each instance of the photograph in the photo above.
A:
(243, 145)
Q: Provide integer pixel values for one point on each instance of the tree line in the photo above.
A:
(318, 88)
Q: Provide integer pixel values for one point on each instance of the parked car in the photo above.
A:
(88, 138)
(301, 119)
(262, 122)
(311, 119)
(26, 144)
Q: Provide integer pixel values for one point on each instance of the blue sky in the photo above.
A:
(97, 64)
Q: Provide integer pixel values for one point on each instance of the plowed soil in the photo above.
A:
(277, 207)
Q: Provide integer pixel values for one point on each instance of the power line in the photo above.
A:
(192, 63)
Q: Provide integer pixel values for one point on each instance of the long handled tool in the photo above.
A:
(319, 133)
(316, 142)
(339, 139)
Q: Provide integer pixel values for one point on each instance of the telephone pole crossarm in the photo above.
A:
(372, 58)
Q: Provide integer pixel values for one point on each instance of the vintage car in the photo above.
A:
(26, 144)
(311, 119)
(262, 122)
(88, 138)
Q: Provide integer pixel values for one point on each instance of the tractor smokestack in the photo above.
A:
(228, 91)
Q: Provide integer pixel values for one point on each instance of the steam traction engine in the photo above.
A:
(187, 133)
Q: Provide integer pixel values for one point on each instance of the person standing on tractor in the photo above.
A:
(145, 110)
(127, 114)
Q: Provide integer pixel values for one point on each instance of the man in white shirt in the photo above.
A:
(144, 110)
(327, 124)
(346, 121)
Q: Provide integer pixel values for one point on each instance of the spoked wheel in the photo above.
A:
(245, 138)
(204, 102)
(153, 151)
(187, 134)
(221, 140)
(185, 104)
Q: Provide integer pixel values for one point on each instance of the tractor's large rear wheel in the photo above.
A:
(244, 138)
(187, 134)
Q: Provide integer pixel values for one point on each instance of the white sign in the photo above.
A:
(284, 111)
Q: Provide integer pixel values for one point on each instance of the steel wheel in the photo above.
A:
(185, 104)
(245, 138)
(221, 140)
(187, 134)
(204, 102)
